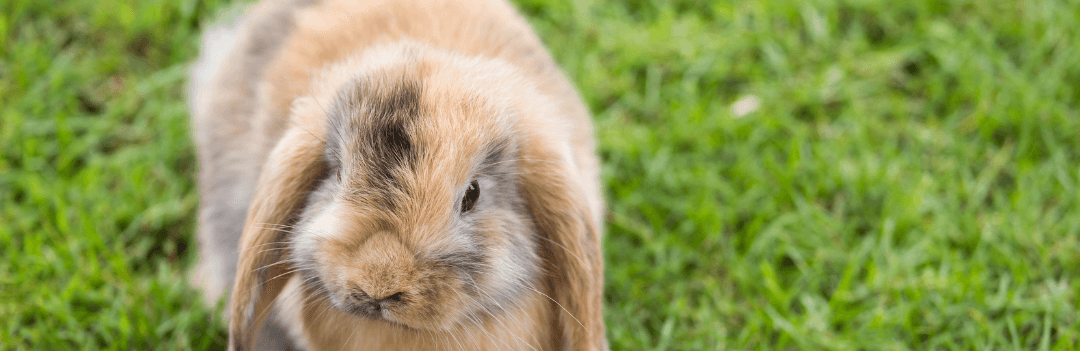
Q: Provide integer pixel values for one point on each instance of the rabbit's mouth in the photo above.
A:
(379, 317)
(377, 308)
(360, 306)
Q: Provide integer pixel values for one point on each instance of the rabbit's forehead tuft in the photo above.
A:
(371, 136)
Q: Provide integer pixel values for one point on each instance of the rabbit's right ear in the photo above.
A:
(289, 174)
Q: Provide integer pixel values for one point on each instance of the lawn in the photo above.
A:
(815, 175)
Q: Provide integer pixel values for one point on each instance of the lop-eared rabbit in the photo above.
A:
(395, 175)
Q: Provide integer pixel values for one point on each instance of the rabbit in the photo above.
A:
(395, 174)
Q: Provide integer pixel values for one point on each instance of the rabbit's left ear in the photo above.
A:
(289, 174)
(557, 201)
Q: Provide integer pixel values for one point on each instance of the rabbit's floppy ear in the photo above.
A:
(289, 174)
(557, 201)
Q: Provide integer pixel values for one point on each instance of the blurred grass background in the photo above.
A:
(898, 175)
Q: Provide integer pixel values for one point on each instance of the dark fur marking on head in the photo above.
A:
(373, 126)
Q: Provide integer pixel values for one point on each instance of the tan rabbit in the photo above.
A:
(406, 174)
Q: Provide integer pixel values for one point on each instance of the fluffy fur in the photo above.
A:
(405, 175)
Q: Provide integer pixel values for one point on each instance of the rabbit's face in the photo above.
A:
(419, 221)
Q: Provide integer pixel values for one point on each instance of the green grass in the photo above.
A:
(909, 182)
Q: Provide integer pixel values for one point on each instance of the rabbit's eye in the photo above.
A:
(471, 194)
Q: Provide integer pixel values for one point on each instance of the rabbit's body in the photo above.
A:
(339, 136)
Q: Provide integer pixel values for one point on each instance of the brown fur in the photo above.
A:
(411, 98)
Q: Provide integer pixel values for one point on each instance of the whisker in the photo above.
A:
(472, 316)
(560, 306)
(580, 261)
(502, 310)
(272, 264)
(346, 344)
(278, 276)
(260, 245)
(456, 292)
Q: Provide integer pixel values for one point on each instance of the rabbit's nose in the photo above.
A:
(377, 301)
(395, 297)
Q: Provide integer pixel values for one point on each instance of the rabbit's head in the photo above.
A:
(423, 189)
(419, 220)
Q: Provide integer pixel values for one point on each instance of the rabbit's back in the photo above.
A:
(222, 97)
